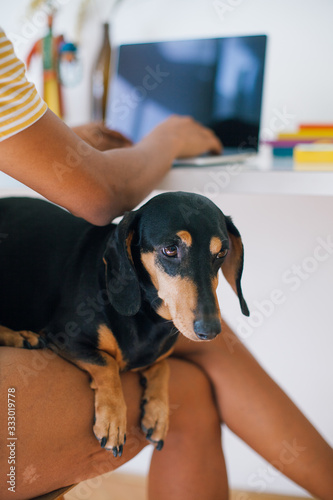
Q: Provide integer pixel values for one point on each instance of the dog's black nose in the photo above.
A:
(207, 329)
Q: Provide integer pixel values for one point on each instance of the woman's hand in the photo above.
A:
(97, 135)
(189, 137)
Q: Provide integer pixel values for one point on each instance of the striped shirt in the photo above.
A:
(20, 104)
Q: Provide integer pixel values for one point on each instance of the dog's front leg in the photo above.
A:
(110, 407)
(155, 402)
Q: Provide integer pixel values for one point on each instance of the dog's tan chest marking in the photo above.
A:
(165, 355)
(185, 237)
(215, 245)
(108, 343)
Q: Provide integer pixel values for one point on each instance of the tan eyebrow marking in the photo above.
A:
(185, 237)
(215, 245)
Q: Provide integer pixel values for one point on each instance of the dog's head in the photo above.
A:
(171, 250)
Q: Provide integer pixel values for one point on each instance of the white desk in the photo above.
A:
(261, 175)
(257, 176)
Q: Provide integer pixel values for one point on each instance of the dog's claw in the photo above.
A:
(149, 433)
(152, 430)
(159, 445)
(124, 438)
(26, 344)
(117, 451)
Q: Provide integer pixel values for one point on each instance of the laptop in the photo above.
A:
(217, 81)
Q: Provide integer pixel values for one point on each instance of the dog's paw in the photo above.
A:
(110, 428)
(155, 420)
(23, 339)
(31, 340)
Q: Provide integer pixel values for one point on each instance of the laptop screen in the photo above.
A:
(217, 81)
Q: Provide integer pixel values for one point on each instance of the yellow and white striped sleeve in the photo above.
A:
(20, 104)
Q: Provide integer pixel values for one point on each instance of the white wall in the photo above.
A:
(299, 75)
(295, 342)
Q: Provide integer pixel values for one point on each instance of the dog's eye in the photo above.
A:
(171, 251)
(222, 254)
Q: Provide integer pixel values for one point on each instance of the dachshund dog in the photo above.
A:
(115, 298)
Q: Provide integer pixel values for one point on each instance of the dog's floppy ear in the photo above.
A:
(122, 283)
(232, 267)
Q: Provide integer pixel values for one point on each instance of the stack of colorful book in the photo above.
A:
(310, 145)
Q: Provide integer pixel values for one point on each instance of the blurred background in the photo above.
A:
(293, 340)
(299, 74)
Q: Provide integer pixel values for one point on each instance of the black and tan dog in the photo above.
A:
(114, 298)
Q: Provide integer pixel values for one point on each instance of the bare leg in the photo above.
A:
(55, 444)
(193, 465)
(259, 412)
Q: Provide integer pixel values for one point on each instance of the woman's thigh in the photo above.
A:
(55, 444)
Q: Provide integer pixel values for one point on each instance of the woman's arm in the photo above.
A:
(97, 135)
(98, 186)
